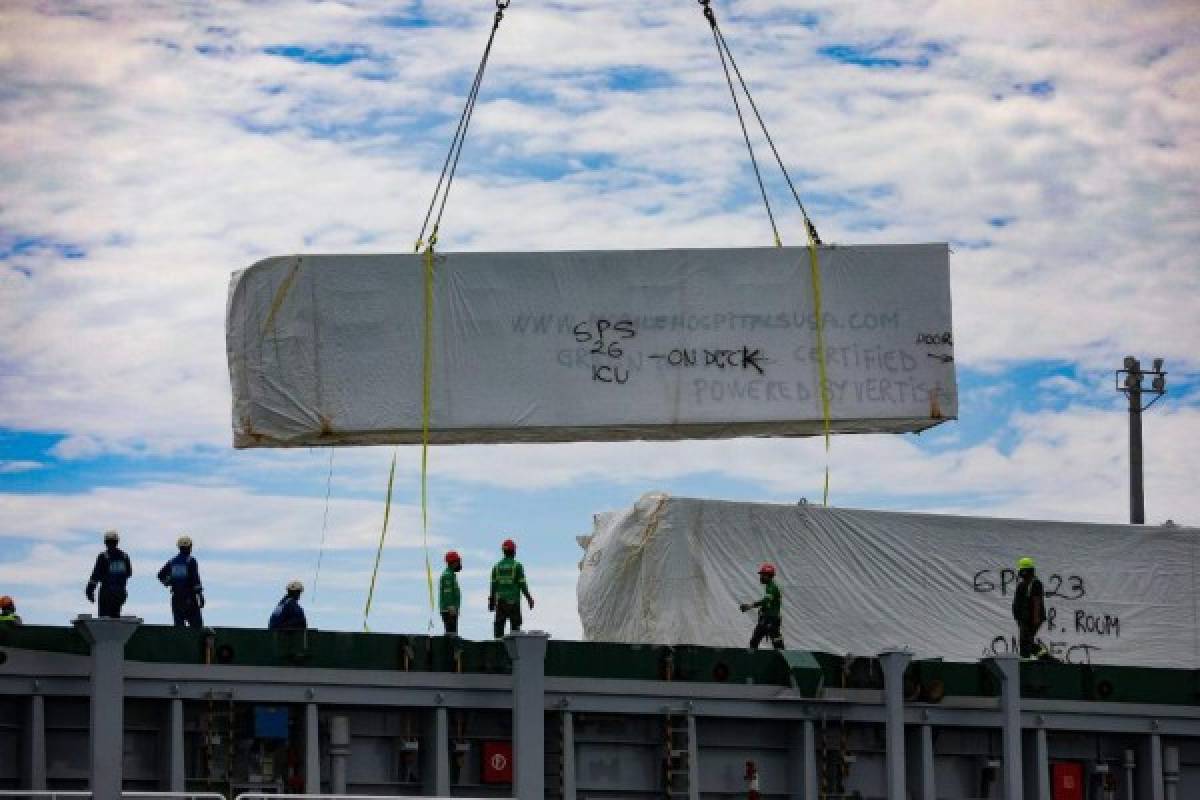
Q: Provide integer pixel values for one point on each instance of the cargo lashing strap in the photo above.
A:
(814, 240)
(427, 247)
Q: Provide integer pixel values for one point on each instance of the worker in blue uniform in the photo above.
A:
(112, 571)
(182, 576)
(288, 615)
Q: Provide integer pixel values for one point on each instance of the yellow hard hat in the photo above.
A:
(1024, 563)
(295, 586)
(183, 541)
(112, 536)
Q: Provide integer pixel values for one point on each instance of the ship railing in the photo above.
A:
(71, 794)
(81, 794)
(274, 796)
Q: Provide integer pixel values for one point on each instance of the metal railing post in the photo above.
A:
(107, 638)
(528, 654)
(894, 663)
(1008, 669)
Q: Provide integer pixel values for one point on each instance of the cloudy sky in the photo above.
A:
(149, 149)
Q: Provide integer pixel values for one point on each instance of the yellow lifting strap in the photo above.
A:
(426, 409)
(814, 267)
(426, 385)
(814, 270)
(387, 512)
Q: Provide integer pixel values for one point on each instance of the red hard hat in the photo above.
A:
(766, 569)
(452, 556)
(508, 544)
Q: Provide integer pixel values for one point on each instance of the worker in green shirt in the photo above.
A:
(449, 595)
(508, 584)
(8, 611)
(770, 610)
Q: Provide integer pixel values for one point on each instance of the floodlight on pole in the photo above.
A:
(1132, 386)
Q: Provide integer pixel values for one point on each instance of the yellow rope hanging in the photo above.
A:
(387, 512)
(814, 267)
(426, 386)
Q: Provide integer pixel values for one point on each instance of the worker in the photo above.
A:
(182, 576)
(770, 610)
(1028, 607)
(8, 611)
(449, 595)
(112, 571)
(288, 615)
(508, 584)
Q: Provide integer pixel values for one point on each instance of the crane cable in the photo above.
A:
(814, 240)
(427, 246)
(324, 527)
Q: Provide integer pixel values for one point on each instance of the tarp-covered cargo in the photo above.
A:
(673, 570)
(604, 345)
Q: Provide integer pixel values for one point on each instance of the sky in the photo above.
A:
(149, 149)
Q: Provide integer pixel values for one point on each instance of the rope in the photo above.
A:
(812, 230)
(718, 41)
(387, 511)
(814, 239)
(450, 165)
(324, 526)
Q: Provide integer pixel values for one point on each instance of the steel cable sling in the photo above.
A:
(814, 240)
(427, 246)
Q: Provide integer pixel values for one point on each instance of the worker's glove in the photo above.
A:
(200, 599)
(491, 604)
(166, 583)
(745, 607)
(90, 591)
(452, 611)
(530, 599)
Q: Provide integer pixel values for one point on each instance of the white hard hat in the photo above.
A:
(112, 536)
(295, 586)
(183, 541)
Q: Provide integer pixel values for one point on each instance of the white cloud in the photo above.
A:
(1062, 385)
(219, 518)
(16, 466)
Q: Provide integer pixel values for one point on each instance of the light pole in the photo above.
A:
(1131, 385)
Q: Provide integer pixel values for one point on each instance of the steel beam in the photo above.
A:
(176, 776)
(568, 755)
(528, 654)
(339, 752)
(436, 752)
(921, 782)
(312, 750)
(802, 765)
(107, 638)
(1008, 669)
(1171, 773)
(35, 741)
(1150, 768)
(693, 759)
(1037, 765)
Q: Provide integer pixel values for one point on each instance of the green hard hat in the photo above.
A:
(1025, 562)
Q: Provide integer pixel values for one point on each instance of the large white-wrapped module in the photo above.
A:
(673, 571)
(605, 345)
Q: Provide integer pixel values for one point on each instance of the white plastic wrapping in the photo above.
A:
(673, 571)
(600, 345)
